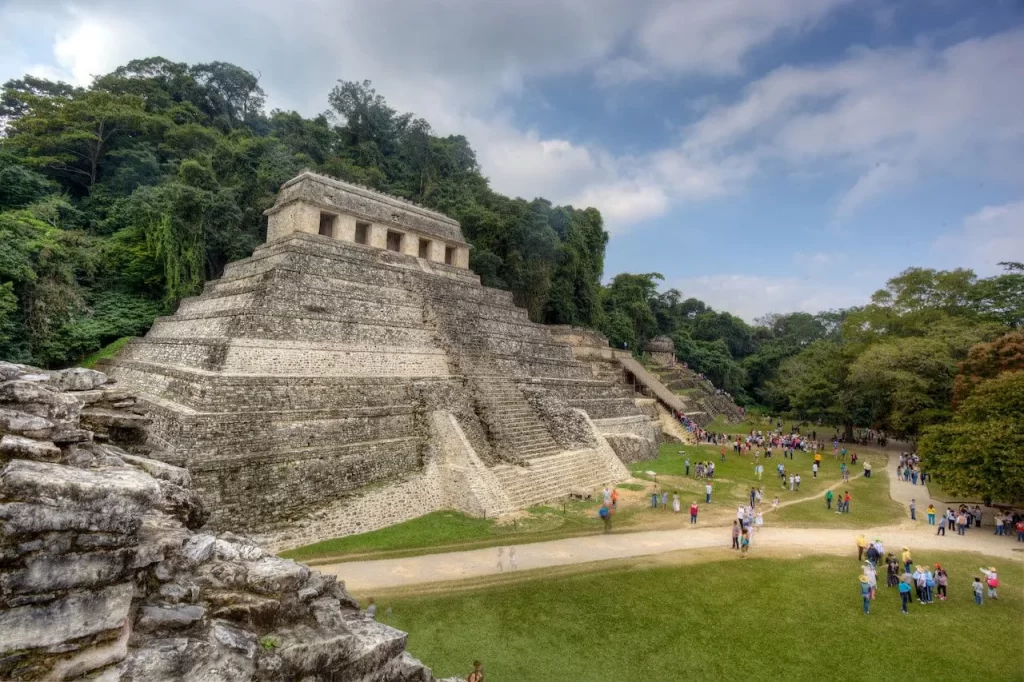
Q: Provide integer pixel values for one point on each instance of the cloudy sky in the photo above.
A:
(763, 155)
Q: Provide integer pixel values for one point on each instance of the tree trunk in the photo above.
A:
(848, 432)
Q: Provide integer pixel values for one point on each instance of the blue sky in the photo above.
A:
(763, 155)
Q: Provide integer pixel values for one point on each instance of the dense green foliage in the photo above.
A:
(119, 199)
(889, 365)
(980, 453)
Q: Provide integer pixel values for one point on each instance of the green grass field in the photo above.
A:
(758, 619)
(735, 476)
(108, 351)
(448, 530)
(870, 505)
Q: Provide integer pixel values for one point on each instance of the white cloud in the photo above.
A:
(751, 296)
(697, 36)
(886, 116)
(992, 235)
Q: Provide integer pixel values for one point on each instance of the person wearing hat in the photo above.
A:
(869, 573)
(865, 593)
(992, 580)
(918, 577)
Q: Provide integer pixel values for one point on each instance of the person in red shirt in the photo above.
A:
(693, 512)
(846, 502)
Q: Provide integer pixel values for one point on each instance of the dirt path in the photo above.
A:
(388, 573)
(367, 575)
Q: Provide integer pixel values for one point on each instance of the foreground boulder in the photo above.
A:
(105, 574)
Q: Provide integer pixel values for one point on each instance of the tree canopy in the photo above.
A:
(121, 198)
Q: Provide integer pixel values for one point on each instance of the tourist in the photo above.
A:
(735, 534)
(961, 523)
(919, 584)
(846, 502)
(759, 471)
(891, 571)
(693, 512)
(976, 514)
(707, 494)
(814, 470)
(867, 467)
(872, 576)
(654, 498)
(907, 559)
(687, 466)
(828, 499)
(615, 499)
(865, 593)
(929, 586)
(664, 500)
(501, 550)
(607, 495)
(791, 483)
(675, 502)
(977, 591)
(942, 527)
(371, 609)
(941, 581)
(904, 588)
(913, 509)
(775, 502)
(862, 545)
(478, 672)
(744, 544)
(604, 512)
(513, 564)
(992, 580)
(759, 519)
(931, 514)
(797, 477)
(950, 518)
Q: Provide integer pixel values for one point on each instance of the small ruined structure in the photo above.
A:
(354, 373)
(104, 577)
(661, 350)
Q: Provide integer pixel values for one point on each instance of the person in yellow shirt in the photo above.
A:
(931, 514)
(817, 458)
(862, 544)
(907, 560)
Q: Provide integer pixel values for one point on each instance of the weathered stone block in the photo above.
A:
(78, 614)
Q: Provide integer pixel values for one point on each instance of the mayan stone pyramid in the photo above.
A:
(353, 373)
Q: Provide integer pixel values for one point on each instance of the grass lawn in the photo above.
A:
(735, 476)
(758, 619)
(108, 351)
(752, 423)
(450, 530)
(870, 505)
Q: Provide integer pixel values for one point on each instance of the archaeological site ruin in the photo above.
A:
(354, 373)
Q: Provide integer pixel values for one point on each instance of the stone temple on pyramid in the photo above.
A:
(354, 373)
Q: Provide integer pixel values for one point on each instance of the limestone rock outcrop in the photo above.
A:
(104, 574)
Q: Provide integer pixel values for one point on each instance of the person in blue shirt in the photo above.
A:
(865, 593)
(904, 595)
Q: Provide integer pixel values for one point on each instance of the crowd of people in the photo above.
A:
(909, 469)
(913, 581)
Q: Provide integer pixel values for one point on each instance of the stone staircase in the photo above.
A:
(545, 478)
(512, 420)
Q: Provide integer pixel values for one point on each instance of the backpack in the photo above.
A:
(993, 583)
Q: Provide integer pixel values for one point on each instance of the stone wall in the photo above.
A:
(104, 577)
